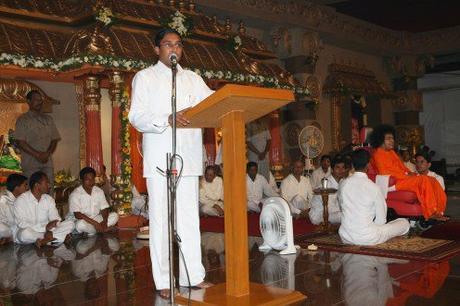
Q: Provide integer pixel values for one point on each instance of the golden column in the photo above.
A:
(92, 101)
(116, 93)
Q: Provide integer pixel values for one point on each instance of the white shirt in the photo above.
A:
(211, 193)
(257, 188)
(87, 204)
(150, 109)
(439, 178)
(409, 165)
(363, 209)
(258, 136)
(332, 203)
(30, 213)
(7, 208)
(291, 187)
(317, 175)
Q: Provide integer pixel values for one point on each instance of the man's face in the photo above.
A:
(339, 171)
(44, 185)
(209, 175)
(36, 102)
(170, 44)
(325, 164)
(298, 168)
(405, 156)
(21, 188)
(422, 165)
(88, 181)
(252, 172)
(389, 142)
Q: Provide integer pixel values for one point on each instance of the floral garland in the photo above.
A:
(27, 61)
(180, 23)
(105, 15)
(126, 168)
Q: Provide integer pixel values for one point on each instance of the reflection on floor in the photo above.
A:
(115, 270)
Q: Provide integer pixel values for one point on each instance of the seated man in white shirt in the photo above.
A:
(211, 193)
(339, 170)
(37, 218)
(87, 204)
(323, 170)
(256, 187)
(405, 157)
(423, 164)
(364, 209)
(296, 190)
(16, 184)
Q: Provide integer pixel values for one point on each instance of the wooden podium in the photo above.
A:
(230, 108)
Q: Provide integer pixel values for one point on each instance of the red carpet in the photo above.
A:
(449, 231)
(216, 224)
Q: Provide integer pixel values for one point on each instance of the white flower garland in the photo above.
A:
(28, 61)
(105, 15)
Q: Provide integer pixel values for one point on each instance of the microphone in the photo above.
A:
(173, 59)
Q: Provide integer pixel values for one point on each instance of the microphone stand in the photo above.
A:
(171, 174)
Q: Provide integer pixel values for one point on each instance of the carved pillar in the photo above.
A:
(92, 101)
(336, 122)
(116, 93)
(276, 150)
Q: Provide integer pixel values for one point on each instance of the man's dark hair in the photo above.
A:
(377, 136)
(35, 178)
(326, 157)
(210, 167)
(162, 33)
(249, 165)
(14, 180)
(85, 171)
(338, 159)
(360, 158)
(31, 93)
(425, 155)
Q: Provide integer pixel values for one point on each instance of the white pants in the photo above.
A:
(28, 235)
(378, 234)
(208, 209)
(5, 231)
(188, 228)
(316, 216)
(84, 227)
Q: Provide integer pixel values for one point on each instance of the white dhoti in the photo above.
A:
(316, 216)
(84, 227)
(5, 231)
(188, 228)
(299, 203)
(28, 235)
(208, 209)
(376, 233)
(252, 206)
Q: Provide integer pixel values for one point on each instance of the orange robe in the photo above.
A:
(428, 190)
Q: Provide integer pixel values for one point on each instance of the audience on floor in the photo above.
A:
(321, 172)
(16, 184)
(211, 193)
(256, 187)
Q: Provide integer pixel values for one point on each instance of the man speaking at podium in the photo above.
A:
(150, 114)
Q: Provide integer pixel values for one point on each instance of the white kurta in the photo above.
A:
(90, 205)
(7, 222)
(211, 194)
(439, 178)
(256, 190)
(32, 216)
(317, 175)
(297, 194)
(150, 109)
(316, 211)
(364, 212)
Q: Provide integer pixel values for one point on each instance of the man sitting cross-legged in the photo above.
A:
(87, 204)
(16, 184)
(37, 218)
(364, 209)
(211, 193)
(296, 190)
(256, 187)
(339, 171)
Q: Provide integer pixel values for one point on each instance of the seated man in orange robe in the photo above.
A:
(429, 193)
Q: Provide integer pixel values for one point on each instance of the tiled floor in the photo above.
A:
(115, 270)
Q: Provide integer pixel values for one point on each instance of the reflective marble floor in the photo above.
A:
(115, 270)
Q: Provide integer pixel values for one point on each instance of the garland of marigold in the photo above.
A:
(126, 168)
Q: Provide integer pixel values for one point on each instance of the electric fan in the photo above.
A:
(276, 226)
(311, 143)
